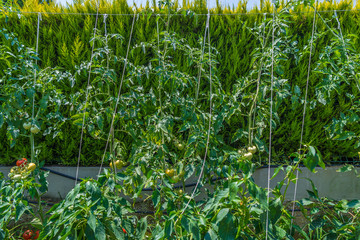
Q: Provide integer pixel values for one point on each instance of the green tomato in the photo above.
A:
(248, 155)
(175, 178)
(17, 177)
(35, 129)
(180, 146)
(27, 126)
(252, 149)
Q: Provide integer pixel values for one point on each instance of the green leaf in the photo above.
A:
(233, 190)
(156, 197)
(189, 152)
(1, 120)
(185, 223)
(141, 228)
(36, 222)
(20, 209)
(158, 232)
(313, 159)
(44, 101)
(169, 227)
(306, 202)
(346, 168)
(227, 229)
(42, 177)
(238, 135)
(30, 93)
(210, 235)
(353, 204)
(91, 222)
(100, 231)
(100, 121)
(222, 213)
(194, 230)
(312, 150)
(257, 193)
(276, 171)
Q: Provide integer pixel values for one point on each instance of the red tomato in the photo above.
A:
(37, 233)
(124, 230)
(21, 163)
(28, 234)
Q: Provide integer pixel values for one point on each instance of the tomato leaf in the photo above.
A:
(141, 228)
(91, 222)
(156, 197)
(100, 231)
(227, 228)
(20, 209)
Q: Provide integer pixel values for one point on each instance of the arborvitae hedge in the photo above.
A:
(64, 42)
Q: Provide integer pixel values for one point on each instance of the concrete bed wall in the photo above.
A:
(329, 183)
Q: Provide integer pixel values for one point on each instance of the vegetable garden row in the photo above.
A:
(162, 105)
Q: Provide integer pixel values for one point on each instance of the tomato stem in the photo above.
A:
(32, 143)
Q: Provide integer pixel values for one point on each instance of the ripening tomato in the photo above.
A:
(21, 163)
(170, 172)
(28, 234)
(31, 167)
(119, 164)
(37, 233)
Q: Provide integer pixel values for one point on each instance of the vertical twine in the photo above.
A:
(87, 93)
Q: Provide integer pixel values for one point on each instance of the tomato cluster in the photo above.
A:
(21, 162)
(171, 173)
(29, 234)
(33, 128)
(247, 155)
(118, 164)
(22, 169)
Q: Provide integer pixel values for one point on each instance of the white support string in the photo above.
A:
(344, 45)
(34, 83)
(305, 103)
(341, 35)
(87, 92)
(118, 95)
(257, 89)
(210, 117)
(105, 17)
(201, 61)
(270, 134)
(35, 72)
(158, 35)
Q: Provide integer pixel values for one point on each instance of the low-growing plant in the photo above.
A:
(94, 210)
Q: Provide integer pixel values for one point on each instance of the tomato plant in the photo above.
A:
(85, 206)
(34, 103)
(172, 123)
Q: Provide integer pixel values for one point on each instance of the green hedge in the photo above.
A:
(64, 42)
